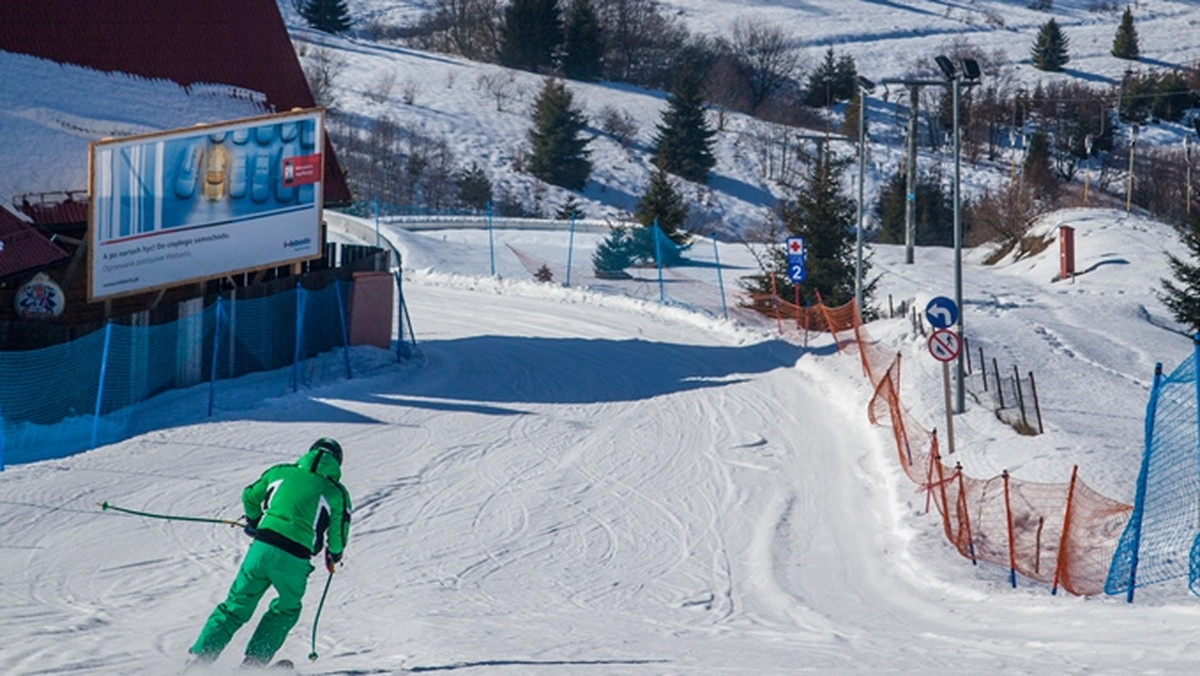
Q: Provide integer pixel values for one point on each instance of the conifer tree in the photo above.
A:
(820, 213)
(474, 187)
(1037, 171)
(683, 142)
(613, 254)
(832, 81)
(1125, 43)
(661, 203)
(530, 34)
(569, 210)
(934, 213)
(850, 119)
(1182, 295)
(560, 154)
(583, 46)
(331, 16)
(1050, 49)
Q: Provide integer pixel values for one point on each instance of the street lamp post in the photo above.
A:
(865, 87)
(969, 76)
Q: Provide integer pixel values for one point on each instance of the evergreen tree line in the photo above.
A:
(1051, 47)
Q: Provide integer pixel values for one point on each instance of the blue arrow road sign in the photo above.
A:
(941, 312)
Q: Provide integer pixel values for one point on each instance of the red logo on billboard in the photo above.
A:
(301, 170)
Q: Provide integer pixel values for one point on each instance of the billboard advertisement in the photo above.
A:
(203, 202)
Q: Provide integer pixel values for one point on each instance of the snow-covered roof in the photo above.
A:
(117, 67)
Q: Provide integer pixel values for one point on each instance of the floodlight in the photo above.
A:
(947, 66)
(971, 69)
(865, 84)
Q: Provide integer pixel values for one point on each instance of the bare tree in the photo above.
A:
(322, 68)
(640, 40)
(466, 27)
(501, 86)
(381, 89)
(767, 55)
(619, 124)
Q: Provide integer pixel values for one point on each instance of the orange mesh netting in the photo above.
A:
(1063, 534)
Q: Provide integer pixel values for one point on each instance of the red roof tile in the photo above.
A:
(55, 208)
(22, 247)
(238, 42)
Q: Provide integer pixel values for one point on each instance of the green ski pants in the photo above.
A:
(264, 566)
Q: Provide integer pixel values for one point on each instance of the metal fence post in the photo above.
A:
(100, 385)
(337, 291)
(216, 349)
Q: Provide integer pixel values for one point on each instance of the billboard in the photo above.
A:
(204, 202)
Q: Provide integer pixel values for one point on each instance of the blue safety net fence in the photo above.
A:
(1159, 541)
(74, 396)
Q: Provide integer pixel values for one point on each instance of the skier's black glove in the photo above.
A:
(251, 527)
(331, 559)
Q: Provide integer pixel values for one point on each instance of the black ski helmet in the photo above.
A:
(327, 445)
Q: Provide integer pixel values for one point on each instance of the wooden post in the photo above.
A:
(1020, 395)
(1037, 407)
(1037, 547)
(962, 506)
(999, 385)
(775, 301)
(1061, 563)
(933, 458)
(983, 367)
(796, 288)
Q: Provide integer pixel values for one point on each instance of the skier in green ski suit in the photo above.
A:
(290, 511)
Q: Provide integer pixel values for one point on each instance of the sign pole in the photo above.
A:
(946, 346)
(949, 410)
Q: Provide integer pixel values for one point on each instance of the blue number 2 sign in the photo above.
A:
(795, 259)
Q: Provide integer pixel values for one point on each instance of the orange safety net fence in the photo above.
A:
(1062, 534)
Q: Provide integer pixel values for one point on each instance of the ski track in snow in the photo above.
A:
(568, 483)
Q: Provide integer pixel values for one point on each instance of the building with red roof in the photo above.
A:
(216, 45)
(243, 43)
(23, 249)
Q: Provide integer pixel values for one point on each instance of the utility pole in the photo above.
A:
(865, 87)
(910, 174)
(910, 197)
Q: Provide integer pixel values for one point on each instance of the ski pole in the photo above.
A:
(169, 517)
(312, 655)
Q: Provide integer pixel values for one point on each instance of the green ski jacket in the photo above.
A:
(296, 507)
